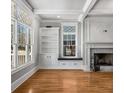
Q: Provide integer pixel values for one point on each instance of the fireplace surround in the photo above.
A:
(91, 48)
(101, 59)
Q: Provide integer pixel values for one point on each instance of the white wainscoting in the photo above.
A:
(23, 78)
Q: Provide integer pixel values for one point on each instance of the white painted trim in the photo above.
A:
(61, 20)
(24, 5)
(99, 42)
(22, 79)
(87, 7)
(61, 68)
(101, 12)
(38, 17)
(82, 39)
(37, 11)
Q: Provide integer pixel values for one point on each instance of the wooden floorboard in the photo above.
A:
(67, 81)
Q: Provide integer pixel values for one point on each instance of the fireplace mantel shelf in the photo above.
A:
(99, 42)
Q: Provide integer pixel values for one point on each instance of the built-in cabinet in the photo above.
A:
(49, 51)
(49, 43)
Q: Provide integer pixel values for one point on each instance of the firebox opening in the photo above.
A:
(103, 59)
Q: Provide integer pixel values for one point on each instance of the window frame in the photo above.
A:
(62, 39)
(14, 44)
(18, 67)
(14, 18)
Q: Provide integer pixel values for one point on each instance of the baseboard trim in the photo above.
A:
(60, 68)
(22, 79)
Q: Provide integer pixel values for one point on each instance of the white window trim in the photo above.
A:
(76, 34)
(27, 63)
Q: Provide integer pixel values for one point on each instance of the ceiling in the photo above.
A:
(65, 9)
(57, 4)
(103, 6)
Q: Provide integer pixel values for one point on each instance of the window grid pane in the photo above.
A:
(69, 41)
(69, 28)
(21, 54)
(22, 37)
(69, 50)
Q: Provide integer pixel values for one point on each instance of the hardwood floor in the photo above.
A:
(67, 81)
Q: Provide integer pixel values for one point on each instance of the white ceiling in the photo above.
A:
(57, 4)
(103, 6)
(67, 9)
(62, 16)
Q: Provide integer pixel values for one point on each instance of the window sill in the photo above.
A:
(70, 58)
(21, 67)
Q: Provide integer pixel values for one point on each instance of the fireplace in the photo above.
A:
(101, 59)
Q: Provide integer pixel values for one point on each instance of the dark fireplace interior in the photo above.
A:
(103, 59)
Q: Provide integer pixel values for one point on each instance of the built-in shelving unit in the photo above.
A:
(49, 40)
(49, 46)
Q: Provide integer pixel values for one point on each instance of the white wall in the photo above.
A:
(95, 37)
(36, 27)
(95, 29)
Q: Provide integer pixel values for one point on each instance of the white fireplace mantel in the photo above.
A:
(87, 49)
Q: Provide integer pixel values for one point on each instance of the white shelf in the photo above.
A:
(49, 40)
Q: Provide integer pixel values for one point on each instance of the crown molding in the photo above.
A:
(87, 7)
(38, 11)
(25, 5)
(66, 20)
(101, 12)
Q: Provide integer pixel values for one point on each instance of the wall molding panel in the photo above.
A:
(22, 79)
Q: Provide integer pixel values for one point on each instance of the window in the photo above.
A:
(22, 40)
(21, 50)
(24, 43)
(21, 36)
(69, 40)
